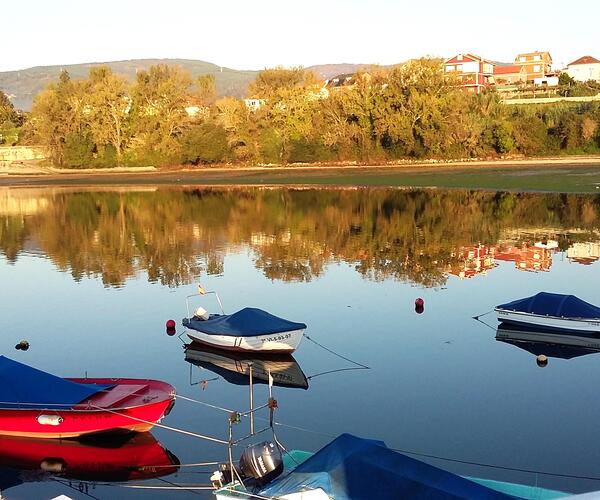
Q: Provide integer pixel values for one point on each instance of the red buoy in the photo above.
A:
(419, 302)
(170, 327)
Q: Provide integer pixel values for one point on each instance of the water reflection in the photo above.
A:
(416, 236)
(235, 367)
(136, 457)
(549, 344)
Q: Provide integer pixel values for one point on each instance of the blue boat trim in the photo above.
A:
(24, 387)
(248, 322)
(554, 304)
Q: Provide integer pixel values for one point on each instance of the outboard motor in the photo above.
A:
(261, 462)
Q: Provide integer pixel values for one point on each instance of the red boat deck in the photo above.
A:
(129, 405)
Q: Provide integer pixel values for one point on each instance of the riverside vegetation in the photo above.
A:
(407, 112)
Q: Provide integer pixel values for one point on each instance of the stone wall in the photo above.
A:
(11, 154)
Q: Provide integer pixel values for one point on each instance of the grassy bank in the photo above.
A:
(546, 175)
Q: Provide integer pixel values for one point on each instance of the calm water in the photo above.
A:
(90, 276)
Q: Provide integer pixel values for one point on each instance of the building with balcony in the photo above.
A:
(536, 64)
(473, 72)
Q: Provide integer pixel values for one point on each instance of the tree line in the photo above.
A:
(409, 112)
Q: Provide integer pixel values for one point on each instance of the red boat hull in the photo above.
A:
(130, 405)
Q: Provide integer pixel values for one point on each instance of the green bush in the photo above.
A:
(206, 143)
(307, 151)
(78, 151)
(270, 146)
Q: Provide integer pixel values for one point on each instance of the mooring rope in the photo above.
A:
(500, 467)
(197, 464)
(483, 314)
(447, 459)
(169, 428)
(172, 487)
(336, 354)
(204, 403)
(476, 318)
(329, 372)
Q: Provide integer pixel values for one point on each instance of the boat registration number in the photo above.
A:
(283, 336)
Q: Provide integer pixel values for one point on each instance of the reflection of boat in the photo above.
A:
(352, 467)
(37, 404)
(136, 458)
(552, 311)
(235, 367)
(249, 329)
(549, 343)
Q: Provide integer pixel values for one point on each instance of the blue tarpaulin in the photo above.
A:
(554, 304)
(22, 386)
(247, 322)
(354, 468)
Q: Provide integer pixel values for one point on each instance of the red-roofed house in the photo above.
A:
(510, 74)
(585, 68)
(474, 72)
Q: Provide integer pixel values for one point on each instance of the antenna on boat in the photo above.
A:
(202, 291)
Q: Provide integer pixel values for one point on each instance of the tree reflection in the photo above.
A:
(417, 236)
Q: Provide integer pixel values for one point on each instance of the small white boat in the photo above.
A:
(249, 330)
(551, 311)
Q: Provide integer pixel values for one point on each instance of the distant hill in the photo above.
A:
(22, 86)
(326, 71)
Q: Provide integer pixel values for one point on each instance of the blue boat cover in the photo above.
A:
(247, 322)
(554, 304)
(354, 468)
(10, 477)
(22, 386)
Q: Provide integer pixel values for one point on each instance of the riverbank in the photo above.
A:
(557, 174)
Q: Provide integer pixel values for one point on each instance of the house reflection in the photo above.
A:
(534, 258)
(585, 253)
(472, 261)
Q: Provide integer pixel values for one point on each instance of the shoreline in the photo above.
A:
(391, 174)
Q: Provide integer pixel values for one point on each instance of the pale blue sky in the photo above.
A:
(242, 34)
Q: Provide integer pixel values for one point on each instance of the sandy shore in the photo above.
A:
(16, 176)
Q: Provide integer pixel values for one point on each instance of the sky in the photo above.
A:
(246, 34)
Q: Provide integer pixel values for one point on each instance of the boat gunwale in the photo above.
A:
(37, 407)
(535, 315)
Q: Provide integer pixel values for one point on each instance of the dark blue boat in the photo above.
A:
(249, 329)
(353, 468)
(551, 311)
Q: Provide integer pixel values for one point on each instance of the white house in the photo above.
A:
(585, 68)
(547, 81)
(254, 104)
